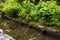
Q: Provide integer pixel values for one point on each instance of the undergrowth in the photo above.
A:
(45, 12)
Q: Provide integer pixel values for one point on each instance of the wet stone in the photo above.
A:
(4, 36)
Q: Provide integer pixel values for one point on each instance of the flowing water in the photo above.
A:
(23, 33)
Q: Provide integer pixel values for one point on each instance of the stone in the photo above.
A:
(4, 36)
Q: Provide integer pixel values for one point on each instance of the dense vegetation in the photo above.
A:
(45, 12)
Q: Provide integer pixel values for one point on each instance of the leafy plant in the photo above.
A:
(45, 12)
(11, 8)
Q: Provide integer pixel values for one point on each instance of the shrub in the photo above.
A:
(25, 11)
(45, 12)
(11, 8)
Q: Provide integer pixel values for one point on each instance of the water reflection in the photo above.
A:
(23, 33)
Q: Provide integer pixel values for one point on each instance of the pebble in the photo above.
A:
(32, 38)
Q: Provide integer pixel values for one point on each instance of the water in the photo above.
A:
(23, 33)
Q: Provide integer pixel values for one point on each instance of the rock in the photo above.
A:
(32, 38)
(4, 36)
(1, 31)
(7, 30)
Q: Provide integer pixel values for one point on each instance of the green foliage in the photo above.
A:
(45, 12)
(11, 8)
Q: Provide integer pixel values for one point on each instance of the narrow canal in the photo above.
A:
(24, 33)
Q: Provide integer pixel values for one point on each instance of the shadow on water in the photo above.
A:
(51, 36)
(22, 32)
